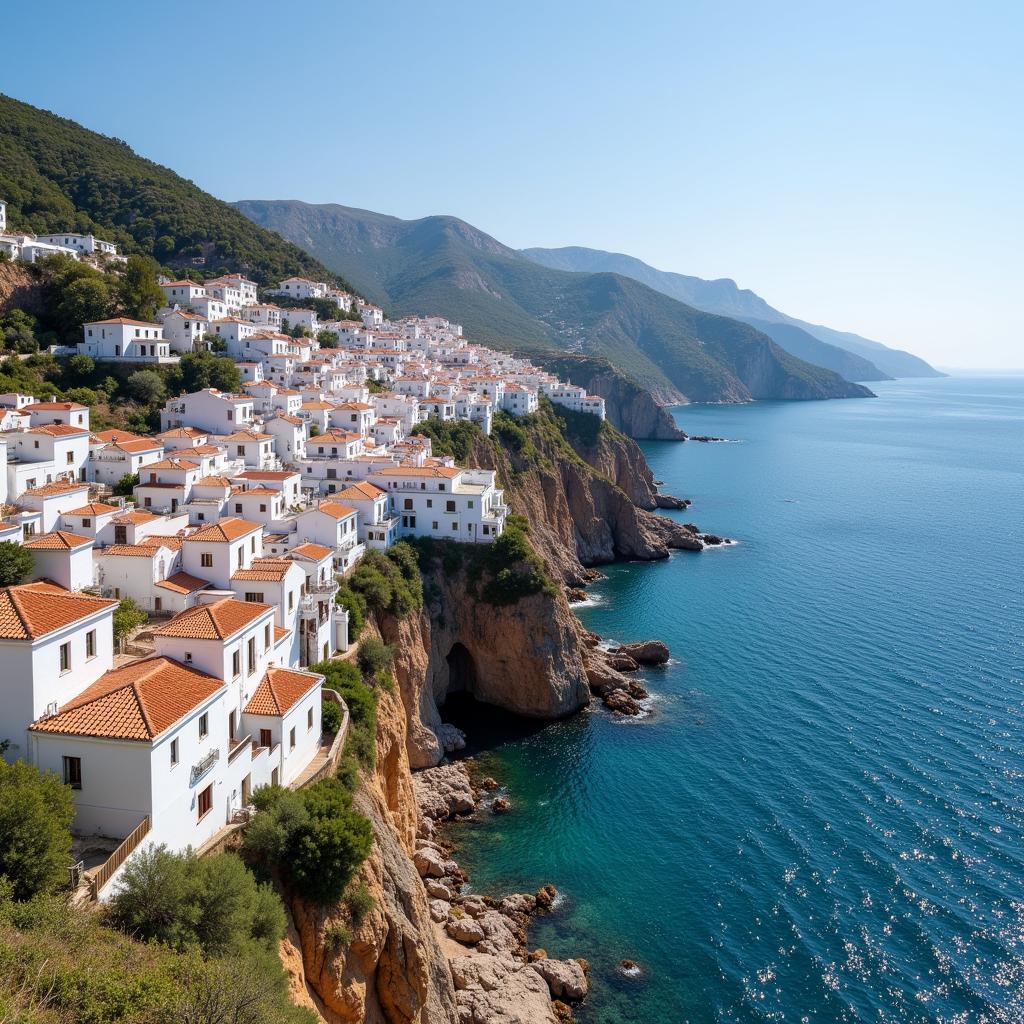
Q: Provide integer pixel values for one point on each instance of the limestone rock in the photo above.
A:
(519, 997)
(438, 890)
(444, 792)
(451, 738)
(621, 703)
(439, 911)
(429, 863)
(646, 652)
(464, 929)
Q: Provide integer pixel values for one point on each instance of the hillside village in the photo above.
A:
(245, 511)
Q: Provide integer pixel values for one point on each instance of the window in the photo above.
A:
(174, 752)
(309, 719)
(254, 597)
(188, 657)
(71, 458)
(206, 560)
(408, 503)
(449, 506)
(252, 545)
(236, 664)
(90, 644)
(73, 772)
(430, 502)
(65, 657)
(265, 738)
(291, 738)
(433, 525)
(291, 599)
(251, 655)
(86, 522)
(455, 526)
(266, 635)
(205, 802)
(204, 725)
(158, 604)
(238, 508)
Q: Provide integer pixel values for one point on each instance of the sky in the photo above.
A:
(858, 165)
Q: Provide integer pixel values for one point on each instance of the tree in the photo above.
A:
(83, 300)
(128, 616)
(139, 294)
(327, 339)
(205, 370)
(15, 563)
(125, 487)
(147, 387)
(374, 656)
(80, 367)
(18, 331)
(36, 811)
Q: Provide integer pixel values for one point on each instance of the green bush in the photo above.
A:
(451, 437)
(360, 902)
(346, 679)
(125, 487)
(36, 811)
(128, 616)
(374, 657)
(316, 852)
(389, 582)
(213, 903)
(356, 605)
(330, 716)
(15, 563)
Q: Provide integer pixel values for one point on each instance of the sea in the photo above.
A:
(819, 816)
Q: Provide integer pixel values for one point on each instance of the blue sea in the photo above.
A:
(820, 818)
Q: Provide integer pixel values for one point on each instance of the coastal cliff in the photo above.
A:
(427, 952)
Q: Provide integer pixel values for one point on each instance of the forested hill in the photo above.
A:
(58, 176)
(507, 301)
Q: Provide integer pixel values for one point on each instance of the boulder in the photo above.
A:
(546, 896)
(565, 978)
(712, 539)
(480, 973)
(500, 805)
(489, 783)
(637, 690)
(464, 929)
(621, 703)
(439, 910)
(519, 997)
(429, 863)
(622, 662)
(646, 652)
(443, 792)
(451, 738)
(520, 903)
(438, 890)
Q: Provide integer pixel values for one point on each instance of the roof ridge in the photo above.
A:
(135, 684)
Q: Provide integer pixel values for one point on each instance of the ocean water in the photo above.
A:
(821, 817)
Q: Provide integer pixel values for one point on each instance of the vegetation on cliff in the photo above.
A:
(58, 176)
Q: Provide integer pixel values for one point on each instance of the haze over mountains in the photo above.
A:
(504, 299)
(870, 360)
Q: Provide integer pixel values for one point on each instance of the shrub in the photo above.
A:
(389, 582)
(337, 936)
(346, 679)
(36, 811)
(360, 902)
(330, 716)
(128, 616)
(15, 563)
(181, 901)
(147, 387)
(374, 657)
(125, 487)
(356, 605)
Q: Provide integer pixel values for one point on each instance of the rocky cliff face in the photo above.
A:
(632, 409)
(20, 289)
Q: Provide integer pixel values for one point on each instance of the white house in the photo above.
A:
(52, 644)
(217, 412)
(378, 527)
(65, 558)
(216, 551)
(128, 340)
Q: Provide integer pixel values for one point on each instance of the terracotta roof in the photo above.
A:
(363, 490)
(267, 474)
(183, 432)
(225, 530)
(32, 610)
(94, 508)
(317, 552)
(268, 570)
(138, 444)
(183, 583)
(51, 490)
(212, 481)
(128, 551)
(116, 435)
(57, 430)
(216, 621)
(173, 462)
(135, 516)
(247, 435)
(280, 690)
(122, 320)
(262, 491)
(442, 471)
(136, 702)
(335, 509)
(53, 406)
(58, 540)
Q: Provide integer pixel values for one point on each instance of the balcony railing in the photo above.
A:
(117, 858)
(239, 747)
(200, 768)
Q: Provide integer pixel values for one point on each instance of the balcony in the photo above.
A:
(239, 746)
(200, 768)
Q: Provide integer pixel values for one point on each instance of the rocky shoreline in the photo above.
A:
(495, 973)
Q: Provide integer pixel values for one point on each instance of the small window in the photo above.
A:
(238, 508)
(86, 522)
(449, 506)
(174, 752)
(73, 772)
(291, 738)
(204, 726)
(266, 635)
(236, 664)
(206, 560)
(309, 719)
(205, 801)
(65, 657)
(90, 644)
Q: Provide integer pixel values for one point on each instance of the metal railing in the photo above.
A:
(202, 767)
(117, 858)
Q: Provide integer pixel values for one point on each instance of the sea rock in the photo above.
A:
(500, 805)
(429, 863)
(439, 910)
(621, 703)
(451, 738)
(622, 661)
(546, 896)
(464, 929)
(575, 594)
(519, 996)
(489, 784)
(712, 539)
(670, 501)
(601, 676)
(481, 973)
(565, 978)
(646, 652)
(444, 792)
(520, 903)
(438, 890)
(637, 690)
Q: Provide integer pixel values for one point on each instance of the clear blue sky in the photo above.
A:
(860, 165)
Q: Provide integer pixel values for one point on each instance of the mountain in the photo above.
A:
(58, 176)
(725, 298)
(505, 300)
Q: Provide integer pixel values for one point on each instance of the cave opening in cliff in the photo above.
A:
(461, 670)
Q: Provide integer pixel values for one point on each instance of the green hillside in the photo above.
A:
(850, 355)
(444, 265)
(57, 176)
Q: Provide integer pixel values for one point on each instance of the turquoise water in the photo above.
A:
(821, 818)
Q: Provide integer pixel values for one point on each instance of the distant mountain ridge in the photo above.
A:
(724, 297)
(508, 301)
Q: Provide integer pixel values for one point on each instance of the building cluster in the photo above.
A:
(245, 509)
(29, 248)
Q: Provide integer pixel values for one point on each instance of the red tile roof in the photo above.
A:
(136, 702)
(224, 530)
(58, 540)
(183, 583)
(280, 690)
(32, 610)
(215, 621)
